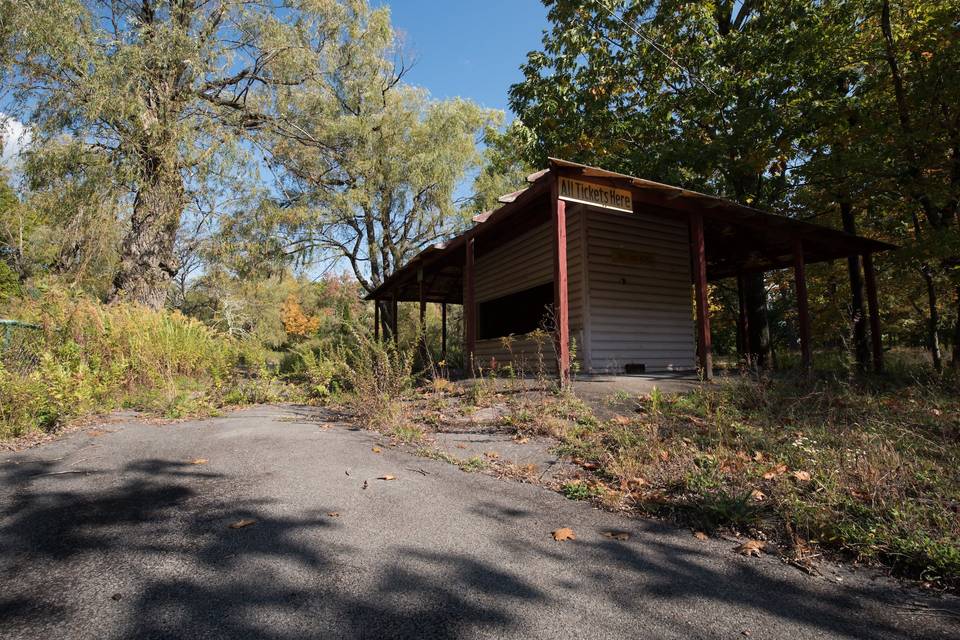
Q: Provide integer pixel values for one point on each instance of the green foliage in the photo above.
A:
(90, 358)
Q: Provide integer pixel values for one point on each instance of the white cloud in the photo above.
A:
(15, 136)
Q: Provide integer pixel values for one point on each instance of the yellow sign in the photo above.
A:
(596, 194)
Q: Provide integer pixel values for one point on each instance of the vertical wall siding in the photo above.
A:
(522, 263)
(639, 292)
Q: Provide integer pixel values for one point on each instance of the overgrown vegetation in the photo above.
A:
(91, 358)
(867, 468)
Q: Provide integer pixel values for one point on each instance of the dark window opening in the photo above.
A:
(515, 314)
(635, 368)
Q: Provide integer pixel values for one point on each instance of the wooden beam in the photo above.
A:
(699, 254)
(561, 307)
(743, 322)
(443, 331)
(870, 280)
(395, 321)
(803, 306)
(469, 309)
(422, 324)
(376, 320)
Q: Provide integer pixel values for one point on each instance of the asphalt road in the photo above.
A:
(117, 535)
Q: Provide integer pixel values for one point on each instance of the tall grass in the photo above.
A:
(90, 358)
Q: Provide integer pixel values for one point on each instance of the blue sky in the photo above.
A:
(466, 48)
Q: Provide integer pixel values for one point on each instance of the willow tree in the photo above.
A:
(368, 166)
(163, 87)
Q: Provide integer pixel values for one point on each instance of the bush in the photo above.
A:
(90, 357)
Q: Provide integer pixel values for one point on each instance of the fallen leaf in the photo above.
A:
(522, 440)
(758, 456)
(621, 420)
(364, 484)
(664, 455)
(751, 548)
(802, 476)
(563, 533)
(333, 514)
(780, 469)
(700, 535)
(95, 433)
(590, 466)
(376, 449)
(240, 524)
(492, 455)
(758, 496)
(387, 477)
(617, 535)
(936, 412)
(461, 446)
(199, 461)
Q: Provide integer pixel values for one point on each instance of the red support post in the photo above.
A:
(469, 309)
(395, 322)
(561, 307)
(803, 306)
(698, 249)
(376, 320)
(870, 280)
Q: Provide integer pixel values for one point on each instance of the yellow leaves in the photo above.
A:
(240, 524)
(700, 535)
(801, 476)
(751, 548)
(563, 533)
(295, 321)
(198, 461)
(376, 449)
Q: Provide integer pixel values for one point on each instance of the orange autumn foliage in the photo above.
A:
(295, 320)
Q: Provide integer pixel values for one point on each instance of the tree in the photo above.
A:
(704, 95)
(368, 166)
(163, 87)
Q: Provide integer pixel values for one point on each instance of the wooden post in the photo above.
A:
(561, 306)
(698, 249)
(870, 279)
(443, 331)
(803, 307)
(376, 320)
(395, 322)
(422, 324)
(469, 310)
(743, 322)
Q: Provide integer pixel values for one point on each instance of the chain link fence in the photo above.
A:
(20, 345)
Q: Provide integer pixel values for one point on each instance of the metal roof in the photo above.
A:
(754, 228)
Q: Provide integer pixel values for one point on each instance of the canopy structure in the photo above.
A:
(727, 239)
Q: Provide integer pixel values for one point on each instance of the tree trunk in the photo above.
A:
(758, 325)
(955, 360)
(147, 261)
(933, 322)
(858, 313)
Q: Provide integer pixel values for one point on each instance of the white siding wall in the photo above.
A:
(640, 309)
(522, 263)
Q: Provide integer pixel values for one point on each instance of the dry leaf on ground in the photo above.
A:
(387, 477)
(376, 449)
(96, 432)
(522, 440)
(617, 535)
(199, 461)
(333, 514)
(758, 496)
(780, 469)
(240, 524)
(802, 476)
(492, 455)
(700, 535)
(751, 548)
(563, 533)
